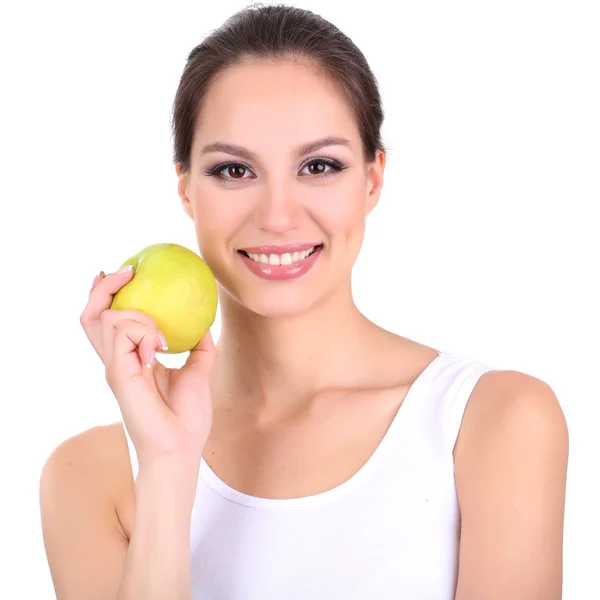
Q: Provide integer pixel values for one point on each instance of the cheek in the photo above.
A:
(211, 227)
(216, 214)
(343, 210)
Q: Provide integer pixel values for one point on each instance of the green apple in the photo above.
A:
(176, 288)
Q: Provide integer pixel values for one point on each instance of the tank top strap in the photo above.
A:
(458, 379)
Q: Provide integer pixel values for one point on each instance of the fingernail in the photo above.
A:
(124, 269)
(163, 341)
(149, 363)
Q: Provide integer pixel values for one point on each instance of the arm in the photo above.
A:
(88, 550)
(510, 467)
(158, 564)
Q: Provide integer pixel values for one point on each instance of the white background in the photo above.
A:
(485, 241)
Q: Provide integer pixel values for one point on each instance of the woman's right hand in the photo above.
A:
(167, 412)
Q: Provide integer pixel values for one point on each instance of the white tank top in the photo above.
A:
(391, 531)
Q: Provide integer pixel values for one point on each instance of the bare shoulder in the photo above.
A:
(511, 404)
(510, 469)
(95, 461)
(84, 484)
(96, 440)
(509, 410)
(93, 454)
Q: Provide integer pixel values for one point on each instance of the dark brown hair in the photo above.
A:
(278, 32)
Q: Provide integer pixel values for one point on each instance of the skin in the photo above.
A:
(283, 408)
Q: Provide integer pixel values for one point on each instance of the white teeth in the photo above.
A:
(284, 259)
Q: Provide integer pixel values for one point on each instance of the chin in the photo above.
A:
(278, 303)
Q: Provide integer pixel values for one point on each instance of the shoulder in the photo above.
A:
(511, 407)
(93, 463)
(510, 471)
(101, 447)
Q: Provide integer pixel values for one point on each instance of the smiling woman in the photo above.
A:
(310, 453)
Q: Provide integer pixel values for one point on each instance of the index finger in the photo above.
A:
(97, 280)
(102, 292)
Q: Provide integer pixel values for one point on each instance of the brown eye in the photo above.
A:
(316, 167)
(236, 171)
(321, 167)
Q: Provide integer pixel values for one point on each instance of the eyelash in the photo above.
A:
(335, 167)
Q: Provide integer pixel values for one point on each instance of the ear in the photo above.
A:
(375, 172)
(182, 191)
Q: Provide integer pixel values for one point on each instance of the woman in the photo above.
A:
(311, 453)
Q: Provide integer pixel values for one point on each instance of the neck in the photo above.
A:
(273, 364)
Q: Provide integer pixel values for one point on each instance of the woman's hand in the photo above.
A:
(167, 412)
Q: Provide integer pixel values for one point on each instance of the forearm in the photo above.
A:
(158, 558)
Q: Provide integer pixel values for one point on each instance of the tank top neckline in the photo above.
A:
(208, 476)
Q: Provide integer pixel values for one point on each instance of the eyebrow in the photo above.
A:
(299, 151)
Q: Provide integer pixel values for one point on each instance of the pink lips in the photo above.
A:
(281, 272)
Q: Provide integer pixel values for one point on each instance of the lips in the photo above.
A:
(282, 272)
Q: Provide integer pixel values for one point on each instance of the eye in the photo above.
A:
(228, 171)
(322, 167)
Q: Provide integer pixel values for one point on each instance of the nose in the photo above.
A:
(277, 211)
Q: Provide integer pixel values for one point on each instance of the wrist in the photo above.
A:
(174, 476)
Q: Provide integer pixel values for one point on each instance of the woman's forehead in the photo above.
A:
(262, 100)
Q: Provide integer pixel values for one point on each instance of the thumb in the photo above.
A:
(193, 383)
(202, 357)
